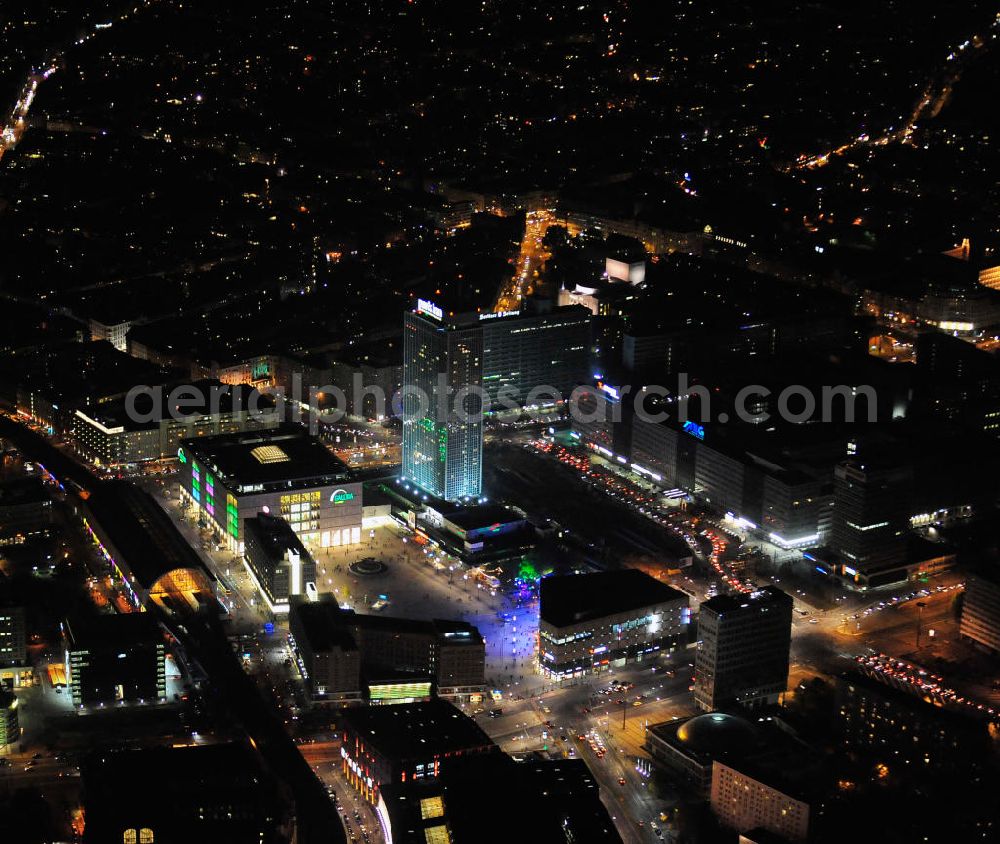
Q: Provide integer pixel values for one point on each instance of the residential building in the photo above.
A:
(25, 510)
(744, 802)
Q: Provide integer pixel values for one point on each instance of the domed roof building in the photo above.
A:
(718, 733)
(688, 747)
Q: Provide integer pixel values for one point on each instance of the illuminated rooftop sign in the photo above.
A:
(429, 308)
(499, 315)
(694, 429)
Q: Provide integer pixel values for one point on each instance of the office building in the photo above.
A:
(524, 352)
(349, 658)
(743, 649)
(597, 414)
(442, 410)
(25, 511)
(278, 562)
(406, 743)
(560, 796)
(783, 496)
(980, 621)
(15, 668)
(112, 435)
(871, 518)
(10, 726)
(744, 801)
(115, 658)
(185, 795)
(592, 622)
(283, 472)
(13, 637)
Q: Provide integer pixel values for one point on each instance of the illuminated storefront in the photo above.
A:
(383, 693)
(285, 473)
(593, 622)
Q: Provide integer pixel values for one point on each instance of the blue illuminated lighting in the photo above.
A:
(694, 429)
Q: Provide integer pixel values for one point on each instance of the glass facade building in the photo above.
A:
(442, 407)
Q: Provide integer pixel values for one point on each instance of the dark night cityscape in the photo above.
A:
(439, 422)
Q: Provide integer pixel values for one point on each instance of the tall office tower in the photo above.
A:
(442, 419)
(871, 518)
(743, 652)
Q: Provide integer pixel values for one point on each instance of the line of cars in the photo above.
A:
(356, 830)
(708, 541)
(902, 674)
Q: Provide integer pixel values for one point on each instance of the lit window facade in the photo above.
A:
(443, 420)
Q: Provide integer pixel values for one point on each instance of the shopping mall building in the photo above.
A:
(283, 472)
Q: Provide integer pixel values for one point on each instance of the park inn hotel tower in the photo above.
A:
(442, 449)
(536, 356)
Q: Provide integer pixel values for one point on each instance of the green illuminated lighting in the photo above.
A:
(399, 691)
(527, 571)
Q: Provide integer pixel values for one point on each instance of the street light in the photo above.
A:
(920, 615)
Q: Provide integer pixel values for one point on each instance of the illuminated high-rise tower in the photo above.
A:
(442, 406)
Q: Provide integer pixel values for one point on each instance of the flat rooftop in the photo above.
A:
(327, 624)
(410, 730)
(483, 516)
(288, 453)
(275, 535)
(760, 598)
(111, 631)
(560, 796)
(23, 491)
(208, 397)
(322, 627)
(573, 598)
